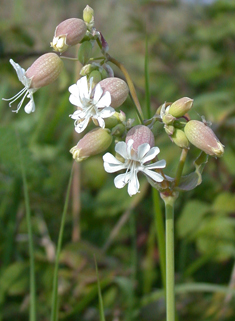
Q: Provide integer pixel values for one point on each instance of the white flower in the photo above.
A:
(133, 163)
(92, 104)
(26, 91)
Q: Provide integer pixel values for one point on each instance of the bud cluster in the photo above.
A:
(183, 132)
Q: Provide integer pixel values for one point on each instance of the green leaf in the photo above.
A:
(11, 277)
(194, 179)
(224, 202)
(191, 217)
(216, 234)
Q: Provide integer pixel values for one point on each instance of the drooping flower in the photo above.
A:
(42, 72)
(134, 162)
(91, 103)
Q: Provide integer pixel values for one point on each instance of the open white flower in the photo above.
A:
(133, 163)
(26, 91)
(92, 104)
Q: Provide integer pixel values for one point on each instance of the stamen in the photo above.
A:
(20, 103)
(16, 96)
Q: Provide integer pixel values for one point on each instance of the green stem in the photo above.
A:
(159, 226)
(181, 166)
(32, 312)
(131, 86)
(128, 80)
(54, 312)
(146, 71)
(170, 264)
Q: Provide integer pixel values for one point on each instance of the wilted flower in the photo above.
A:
(91, 103)
(68, 33)
(203, 137)
(133, 163)
(93, 143)
(42, 72)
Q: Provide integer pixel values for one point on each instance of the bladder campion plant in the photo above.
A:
(97, 96)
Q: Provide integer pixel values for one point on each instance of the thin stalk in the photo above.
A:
(32, 311)
(181, 166)
(146, 71)
(160, 233)
(170, 264)
(101, 305)
(128, 80)
(130, 85)
(54, 311)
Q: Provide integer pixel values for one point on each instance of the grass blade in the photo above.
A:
(32, 311)
(54, 311)
(101, 306)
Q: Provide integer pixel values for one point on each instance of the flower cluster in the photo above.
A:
(96, 96)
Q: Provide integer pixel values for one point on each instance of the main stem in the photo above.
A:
(170, 262)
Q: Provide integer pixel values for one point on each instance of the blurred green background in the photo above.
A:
(191, 46)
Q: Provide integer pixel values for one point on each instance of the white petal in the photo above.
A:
(104, 101)
(83, 87)
(142, 150)
(158, 164)
(109, 158)
(100, 121)
(153, 152)
(121, 180)
(21, 74)
(76, 115)
(133, 185)
(98, 93)
(90, 86)
(129, 148)
(120, 148)
(75, 100)
(30, 107)
(112, 168)
(82, 125)
(154, 175)
(73, 89)
(106, 112)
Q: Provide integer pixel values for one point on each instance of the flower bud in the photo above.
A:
(96, 75)
(180, 139)
(87, 69)
(88, 16)
(93, 143)
(122, 116)
(203, 137)
(140, 134)
(68, 33)
(84, 52)
(112, 121)
(169, 129)
(168, 119)
(180, 107)
(118, 130)
(44, 70)
(117, 88)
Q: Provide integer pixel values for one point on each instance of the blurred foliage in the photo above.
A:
(191, 53)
